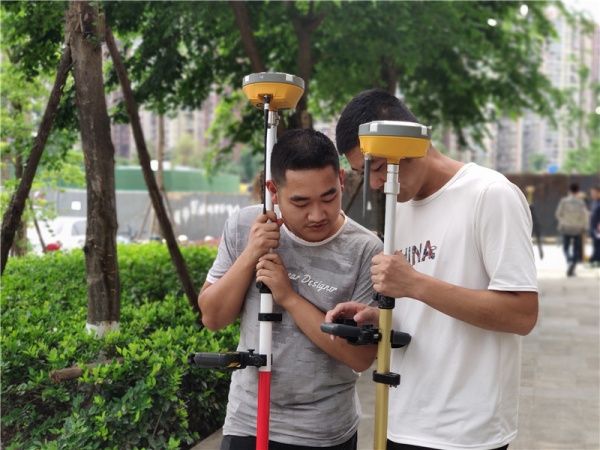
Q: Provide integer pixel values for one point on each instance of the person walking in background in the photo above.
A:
(572, 216)
(464, 277)
(320, 258)
(595, 225)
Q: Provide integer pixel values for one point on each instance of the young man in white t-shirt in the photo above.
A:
(320, 258)
(464, 277)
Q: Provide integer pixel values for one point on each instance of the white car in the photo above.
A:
(64, 232)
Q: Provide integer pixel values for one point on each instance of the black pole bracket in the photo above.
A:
(228, 361)
(270, 317)
(390, 378)
(383, 301)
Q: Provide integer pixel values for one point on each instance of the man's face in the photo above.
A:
(310, 202)
(407, 169)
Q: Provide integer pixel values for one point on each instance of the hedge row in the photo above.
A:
(149, 399)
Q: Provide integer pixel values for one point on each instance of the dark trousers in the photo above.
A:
(230, 442)
(572, 248)
(395, 446)
(596, 246)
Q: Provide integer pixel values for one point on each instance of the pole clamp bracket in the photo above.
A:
(390, 378)
(270, 317)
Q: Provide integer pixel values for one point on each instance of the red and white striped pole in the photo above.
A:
(270, 91)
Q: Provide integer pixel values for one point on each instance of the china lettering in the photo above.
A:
(419, 254)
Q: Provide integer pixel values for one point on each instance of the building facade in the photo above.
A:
(531, 143)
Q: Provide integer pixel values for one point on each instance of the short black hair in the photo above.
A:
(574, 188)
(374, 104)
(302, 149)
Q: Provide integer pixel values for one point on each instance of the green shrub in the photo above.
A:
(150, 400)
(146, 271)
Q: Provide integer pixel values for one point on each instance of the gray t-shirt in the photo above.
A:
(313, 397)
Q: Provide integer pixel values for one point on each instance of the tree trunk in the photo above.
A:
(74, 372)
(85, 35)
(19, 245)
(242, 20)
(160, 156)
(153, 189)
(37, 229)
(389, 75)
(14, 212)
(304, 27)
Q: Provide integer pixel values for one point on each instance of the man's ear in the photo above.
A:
(272, 190)
(342, 179)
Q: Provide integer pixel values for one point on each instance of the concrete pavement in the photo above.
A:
(560, 376)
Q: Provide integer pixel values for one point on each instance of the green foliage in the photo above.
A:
(150, 400)
(537, 162)
(23, 99)
(36, 48)
(585, 157)
(146, 271)
(248, 166)
(176, 64)
(584, 160)
(30, 58)
(187, 152)
(450, 66)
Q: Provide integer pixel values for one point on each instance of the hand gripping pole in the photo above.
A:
(392, 140)
(271, 92)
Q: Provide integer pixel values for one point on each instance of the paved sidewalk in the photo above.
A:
(560, 369)
(560, 381)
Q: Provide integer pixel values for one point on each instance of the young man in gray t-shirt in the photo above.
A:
(320, 258)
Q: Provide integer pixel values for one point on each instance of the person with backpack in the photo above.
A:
(595, 226)
(572, 216)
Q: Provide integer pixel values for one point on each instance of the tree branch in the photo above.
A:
(14, 212)
(153, 190)
(71, 373)
(242, 20)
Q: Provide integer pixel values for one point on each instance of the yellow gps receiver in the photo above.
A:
(394, 140)
(284, 90)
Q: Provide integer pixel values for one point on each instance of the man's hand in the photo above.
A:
(392, 275)
(362, 314)
(271, 271)
(264, 235)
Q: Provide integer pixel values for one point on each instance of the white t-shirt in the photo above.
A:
(459, 383)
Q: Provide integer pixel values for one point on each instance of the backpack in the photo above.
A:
(572, 216)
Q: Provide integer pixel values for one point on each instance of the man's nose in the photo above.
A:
(316, 213)
(377, 180)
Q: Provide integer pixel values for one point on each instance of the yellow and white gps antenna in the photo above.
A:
(271, 92)
(284, 90)
(392, 140)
